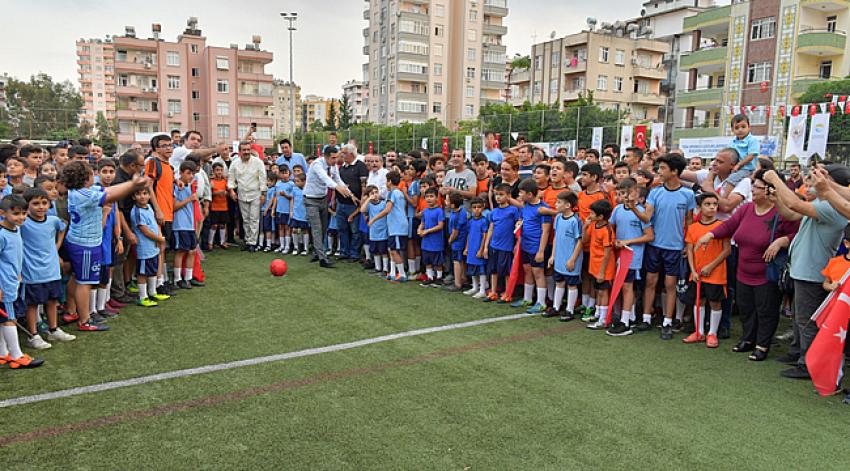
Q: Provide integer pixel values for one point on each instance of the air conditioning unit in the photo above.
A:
(169, 114)
(147, 65)
(634, 61)
(146, 90)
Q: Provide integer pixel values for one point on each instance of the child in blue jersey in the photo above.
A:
(534, 240)
(110, 245)
(5, 188)
(458, 230)
(630, 234)
(475, 251)
(431, 232)
(332, 244)
(298, 222)
(85, 233)
(411, 177)
(748, 148)
(669, 208)
(13, 208)
(183, 227)
(283, 193)
(396, 214)
(48, 184)
(567, 256)
(147, 232)
(378, 234)
(41, 274)
(267, 213)
(500, 241)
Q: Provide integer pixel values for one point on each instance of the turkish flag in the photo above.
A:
(625, 259)
(825, 356)
(832, 109)
(640, 137)
(842, 98)
(445, 146)
(847, 108)
(371, 147)
(516, 268)
(767, 111)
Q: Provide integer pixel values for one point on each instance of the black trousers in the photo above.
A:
(758, 307)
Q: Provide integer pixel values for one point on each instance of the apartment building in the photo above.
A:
(762, 53)
(358, 99)
(316, 108)
(187, 84)
(429, 59)
(96, 69)
(283, 109)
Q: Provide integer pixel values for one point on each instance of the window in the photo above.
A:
(223, 86)
(472, 35)
(556, 59)
(438, 88)
(470, 54)
(121, 55)
(438, 69)
(196, 72)
(439, 30)
(603, 54)
(493, 57)
(173, 82)
(825, 70)
(757, 117)
(620, 57)
(470, 73)
(223, 108)
(578, 84)
(172, 58)
(642, 87)
(223, 131)
(438, 50)
(409, 68)
(537, 88)
(602, 82)
(123, 80)
(763, 28)
(469, 111)
(758, 72)
(196, 116)
(470, 91)
(538, 61)
(194, 48)
(553, 87)
(222, 63)
(196, 95)
(413, 47)
(439, 11)
(411, 107)
(830, 23)
(437, 107)
(174, 107)
(721, 81)
(473, 15)
(492, 75)
(618, 84)
(410, 26)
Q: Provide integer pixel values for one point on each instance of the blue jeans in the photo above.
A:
(349, 232)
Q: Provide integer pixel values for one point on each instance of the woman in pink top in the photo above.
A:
(757, 298)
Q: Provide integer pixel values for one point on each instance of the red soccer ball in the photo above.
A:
(278, 267)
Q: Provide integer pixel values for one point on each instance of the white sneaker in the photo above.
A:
(303, 252)
(37, 343)
(61, 336)
(336, 254)
(470, 291)
(480, 295)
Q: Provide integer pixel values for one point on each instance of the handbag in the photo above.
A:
(779, 269)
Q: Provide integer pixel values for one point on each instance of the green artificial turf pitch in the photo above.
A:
(518, 394)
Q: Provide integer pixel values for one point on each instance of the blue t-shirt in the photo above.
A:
(397, 219)
(299, 212)
(668, 217)
(268, 201)
(568, 236)
(108, 231)
(477, 231)
(459, 221)
(503, 220)
(11, 261)
(433, 242)
(7, 190)
(84, 209)
(378, 230)
(41, 259)
(184, 218)
(746, 146)
(629, 226)
(146, 248)
(296, 159)
(282, 201)
(532, 226)
(494, 155)
(412, 191)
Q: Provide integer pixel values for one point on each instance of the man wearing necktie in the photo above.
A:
(322, 176)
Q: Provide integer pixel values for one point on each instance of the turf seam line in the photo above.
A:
(94, 388)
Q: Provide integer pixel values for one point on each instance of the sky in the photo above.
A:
(328, 43)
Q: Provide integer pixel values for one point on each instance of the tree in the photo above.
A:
(316, 126)
(518, 63)
(839, 123)
(346, 118)
(41, 109)
(105, 137)
(332, 116)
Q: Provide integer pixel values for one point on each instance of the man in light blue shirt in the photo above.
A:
(322, 176)
(491, 150)
(289, 158)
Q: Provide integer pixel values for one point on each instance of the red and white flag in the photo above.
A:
(640, 137)
(825, 357)
(624, 261)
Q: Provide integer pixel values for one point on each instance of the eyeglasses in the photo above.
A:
(760, 187)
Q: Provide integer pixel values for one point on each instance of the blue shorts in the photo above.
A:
(411, 229)
(432, 259)
(632, 275)
(397, 243)
(296, 224)
(662, 261)
(148, 266)
(105, 274)
(476, 270)
(9, 307)
(85, 262)
(39, 293)
(458, 256)
(528, 258)
(499, 262)
(333, 231)
(268, 224)
(282, 219)
(185, 240)
(569, 280)
(378, 247)
(414, 226)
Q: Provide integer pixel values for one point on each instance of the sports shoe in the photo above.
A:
(422, 277)
(566, 316)
(521, 303)
(694, 338)
(389, 278)
(267, 249)
(619, 329)
(400, 279)
(426, 283)
(303, 252)
(37, 343)
(453, 288)
(505, 299)
(677, 325)
(796, 372)
(642, 327)
(97, 318)
(115, 304)
(491, 297)
(437, 283)
(42, 327)
(550, 312)
(579, 310)
(711, 341)
(470, 291)
(597, 325)
(70, 317)
(194, 282)
(25, 361)
(160, 297)
(667, 332)
(536, 309)
(147, 302)
(479, 295)
(588, 314)
(91, 327)
(107, 314)
(786, 336)
(61, 336)
(133, 288)
(5, 359)
(183, 284)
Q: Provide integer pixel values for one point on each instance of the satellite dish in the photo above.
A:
(552, 35)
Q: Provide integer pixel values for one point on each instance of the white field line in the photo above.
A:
(64, 393)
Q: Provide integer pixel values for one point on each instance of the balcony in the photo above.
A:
(498, 30)
(143, 68)
(366, 32)
(802, 83)
(123, 42)
(412, 96)
(145, 92)
(254, 76)
(707, 59)
(572, 94)
(825, 5)
(493, 84)
(366, 14)
(820, 42)
(658, 73)
(716, 17)
(366, 50)
(652, 46)
(696, 133)
(579, 67)
(648, 98)
(252, 97)
(520, 76)
(495, 10)
(707, 98)
(413, 77)
(263, 57)
(138, 115)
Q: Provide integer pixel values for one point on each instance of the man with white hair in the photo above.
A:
(354, 174)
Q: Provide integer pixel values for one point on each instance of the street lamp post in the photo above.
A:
(290, 18)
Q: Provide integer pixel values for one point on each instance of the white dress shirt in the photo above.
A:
(379, 179)
(320, 179)
(247, 178)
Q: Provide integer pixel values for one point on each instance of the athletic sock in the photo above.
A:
(143, 291)
(3, 349)
(626, 317)
(714, 321)
(550, 287)
(602, 314)
(558, 298)
(411, 265)
(591, 301)
(418, 265)
(188, 274)
(541, 296)
(399, 269)
(306, 240)
(102, 295)
(475, 284)
(585, 299)
(386, 264)
(10, 334)
(377, 260)
(282, 241)
(667, 322)
(222, 236)
(680, 310)
(92, 300)
(367, 251)
(158, 281)
(439, 274)
(211, 238)
(178, 274)
(482, 284)
(528, 293)
(647, 318)
(392, 270)
(572, 299)
(152, 286)
(429, 272)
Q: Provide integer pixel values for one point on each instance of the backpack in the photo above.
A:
(157, 168)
